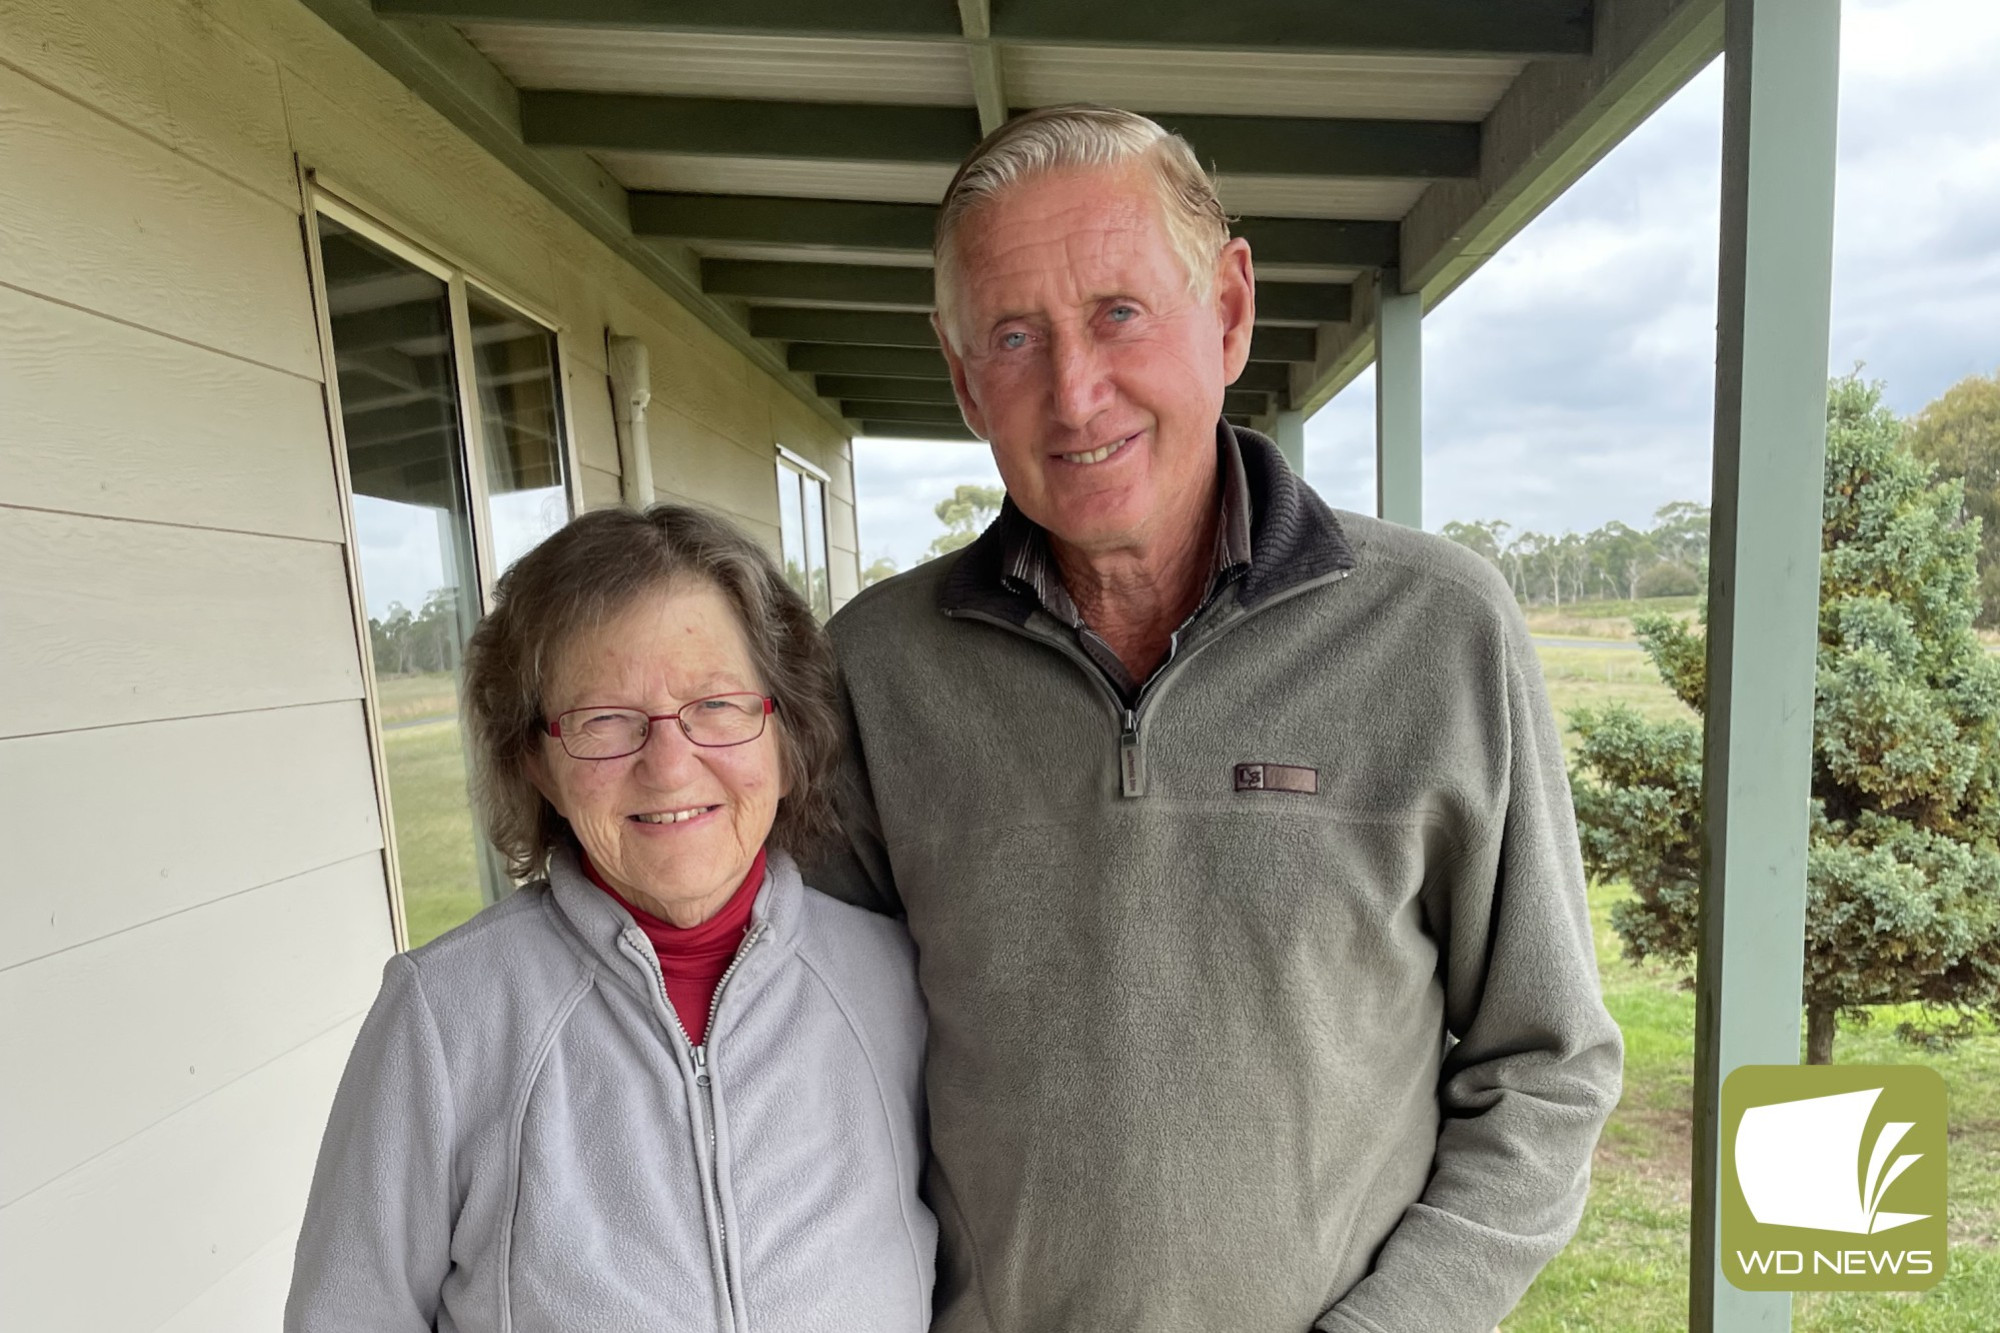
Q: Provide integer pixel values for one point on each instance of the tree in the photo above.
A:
(882, 568)
(1903, 878)
(965, 514)
(1960, 434)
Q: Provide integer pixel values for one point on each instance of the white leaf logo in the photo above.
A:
(1800, 1164)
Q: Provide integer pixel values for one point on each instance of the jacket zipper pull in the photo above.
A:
(1131, 767)
(701, 1066)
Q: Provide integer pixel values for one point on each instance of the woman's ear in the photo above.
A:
(537, 769)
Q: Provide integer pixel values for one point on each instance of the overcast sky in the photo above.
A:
(1569, 381)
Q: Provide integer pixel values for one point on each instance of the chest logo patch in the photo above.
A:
(1277, 777)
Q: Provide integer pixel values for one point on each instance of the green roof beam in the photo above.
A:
(907, 228)
(871, 328)
(853, 284)
(900, 362)
(1530, 28)
(885, 389)
(868, 132)
(851, 223)
(729, 127)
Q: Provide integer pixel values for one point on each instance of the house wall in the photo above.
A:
(198, 913)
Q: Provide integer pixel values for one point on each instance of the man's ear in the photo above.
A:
(975, 420)
(1235, 305)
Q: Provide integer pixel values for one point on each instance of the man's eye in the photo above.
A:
(1122, 313)
(1014, 340)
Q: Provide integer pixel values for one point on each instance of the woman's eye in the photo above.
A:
(717, 705)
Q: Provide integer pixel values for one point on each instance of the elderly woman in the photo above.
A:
(666, 1086)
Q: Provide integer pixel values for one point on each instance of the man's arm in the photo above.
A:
(1536, 1065)
(856, 868)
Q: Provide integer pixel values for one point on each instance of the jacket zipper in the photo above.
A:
(1131, 755)
(702, 1080)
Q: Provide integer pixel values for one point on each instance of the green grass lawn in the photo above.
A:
(1627, 1267)
(1602, 620)
(434, 843)
(407, 698)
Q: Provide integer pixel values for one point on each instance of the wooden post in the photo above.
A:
(1780, 93)
(1290, 434)
(1399, 403)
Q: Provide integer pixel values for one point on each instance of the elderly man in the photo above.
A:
(1234, 834)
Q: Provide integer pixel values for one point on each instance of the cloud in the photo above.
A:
(1570, 381)
(898, 484)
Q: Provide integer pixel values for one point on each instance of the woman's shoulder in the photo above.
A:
(867, 960)
(842, 930)
(517, 946)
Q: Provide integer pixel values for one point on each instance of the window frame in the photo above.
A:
(804, 470)
(343, 207)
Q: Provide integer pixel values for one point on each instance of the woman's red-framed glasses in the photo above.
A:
(718, 721)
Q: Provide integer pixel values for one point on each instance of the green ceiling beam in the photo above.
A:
(872, 410)
(1264, 377)
(873, 328)
(907, 228)
(726, 127)
(855, 284)
(1319, 302)
(886, 285)
(1493, 27)
(1484, 27)
(900, 362)
(866, 132)
(1311, 146)
(1242, 402)
(885, 389)
(852, 223)
(1274, 342)
(1320, 241)
(890, 328)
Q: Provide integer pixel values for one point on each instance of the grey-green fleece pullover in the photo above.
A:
(1208, 1051)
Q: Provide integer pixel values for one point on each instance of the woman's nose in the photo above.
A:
(667, 754)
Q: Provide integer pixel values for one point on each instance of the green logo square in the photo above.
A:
(1833, 1177)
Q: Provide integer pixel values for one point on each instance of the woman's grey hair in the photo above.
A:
(1061, 138)
(586, 575)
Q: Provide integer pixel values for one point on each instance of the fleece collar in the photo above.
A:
(601, 921)
(1294, 538)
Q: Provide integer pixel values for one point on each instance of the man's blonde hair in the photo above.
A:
(1061, 138)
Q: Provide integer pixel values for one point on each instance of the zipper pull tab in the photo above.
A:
(1131, 765)
(701, 1066)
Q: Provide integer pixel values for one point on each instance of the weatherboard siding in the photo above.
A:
(201, 910)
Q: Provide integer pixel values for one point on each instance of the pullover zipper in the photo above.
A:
(703, 1081)
(1131, 755)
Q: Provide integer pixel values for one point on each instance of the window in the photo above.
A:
(457, 464)
(802, 529)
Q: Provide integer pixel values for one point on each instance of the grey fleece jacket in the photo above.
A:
(523, 1139)
(1209, 1054)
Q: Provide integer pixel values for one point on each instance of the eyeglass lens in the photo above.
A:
(610, 733)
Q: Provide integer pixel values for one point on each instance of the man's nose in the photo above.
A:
(1081, 385)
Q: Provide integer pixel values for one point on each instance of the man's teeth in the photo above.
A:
(1095, 455)
(673, 816)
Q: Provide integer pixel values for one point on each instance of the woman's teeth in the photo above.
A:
(1095, 455)
(674, 816)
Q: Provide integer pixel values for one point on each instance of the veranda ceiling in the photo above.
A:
(787, 156)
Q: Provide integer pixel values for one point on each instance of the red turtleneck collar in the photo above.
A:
(693, 958)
